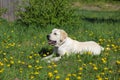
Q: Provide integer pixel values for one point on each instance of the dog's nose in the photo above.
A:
(48, 36)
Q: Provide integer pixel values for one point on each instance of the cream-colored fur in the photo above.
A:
(65, 45)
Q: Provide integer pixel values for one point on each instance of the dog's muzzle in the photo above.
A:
(51, 42)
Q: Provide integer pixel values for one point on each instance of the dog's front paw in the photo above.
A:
(55, 59)
(52, 59)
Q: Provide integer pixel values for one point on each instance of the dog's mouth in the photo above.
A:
(51, 42)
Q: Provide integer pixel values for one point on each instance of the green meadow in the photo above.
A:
(22, 48)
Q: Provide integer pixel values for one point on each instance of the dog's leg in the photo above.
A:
(54, 59)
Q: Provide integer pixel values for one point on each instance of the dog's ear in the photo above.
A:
(63, 35)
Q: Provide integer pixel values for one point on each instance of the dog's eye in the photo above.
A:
(55, 33)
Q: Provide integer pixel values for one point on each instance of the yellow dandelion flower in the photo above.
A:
(100, 39)
(99, 78)
(30, 57)
(36, 54)
(90, 63)
(5, 59)
(8, 65)
(57, 77)
(110, 71)
(67, 78)
(84, 64)
(118, 62)
(50, 74)
(49, 66)
(1, 64)
(80, 73)
(80, 68)
(12, 62)
(106, 79)
(29, 66)
(79, 60)
(4, 54)
(107, 48)
(94, 65)
(102, 73)
(36, 67)
(69, 75)
(11, 57)
(22, 62)
(19, 61)
(105, 68)
(74, 75)
(104, 60)
(113, 45)
(40, 67)
(21, 70)
(36, 73)
(32, 77)
(55, 71)
(95, 68)
(1, 70)
(37, 61)
(78, 78)
(44, 55)
(54, 65)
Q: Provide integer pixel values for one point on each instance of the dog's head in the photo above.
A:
(56, 37)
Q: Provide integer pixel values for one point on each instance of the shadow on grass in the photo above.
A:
(100, 20)
(45, 52)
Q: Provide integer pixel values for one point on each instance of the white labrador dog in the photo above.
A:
(65, 45)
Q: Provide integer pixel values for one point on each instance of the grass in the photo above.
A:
(20, 47)
(97, 5)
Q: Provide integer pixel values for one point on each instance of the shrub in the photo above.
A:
(44, 12)
(2, 11)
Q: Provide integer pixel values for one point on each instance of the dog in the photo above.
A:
(65, 45)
